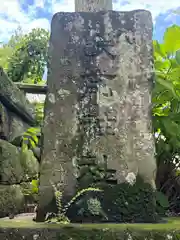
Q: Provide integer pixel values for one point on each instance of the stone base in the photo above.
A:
(121, 203)
(25, 229)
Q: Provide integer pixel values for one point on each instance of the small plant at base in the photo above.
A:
(61, 215)
(79, 194)
(95, 207)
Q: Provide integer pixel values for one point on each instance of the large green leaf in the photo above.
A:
(162, 199)
(159, 50)
(167, 85)
(178, 56)
(174, 75)
(174, 63)
(172, 39)
(171, 127)
(162, 65)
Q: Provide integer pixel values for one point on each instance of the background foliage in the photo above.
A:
(166, 112)
(24, 57)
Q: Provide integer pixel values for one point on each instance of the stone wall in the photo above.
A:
(12, 126)
(17, 168)
(16, 113)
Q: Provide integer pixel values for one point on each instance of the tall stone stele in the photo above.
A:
(97, 109)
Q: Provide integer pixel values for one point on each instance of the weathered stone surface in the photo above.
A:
(11, 125)
(30, 164)
(15, 101)
(4, 123)
(16, 113)
(11, 200)
(17, 127)
(11, 170)
(99, 98)
(15, 166)
(92, 5)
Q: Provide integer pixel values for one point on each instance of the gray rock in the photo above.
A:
(16, 166)
(11, 200)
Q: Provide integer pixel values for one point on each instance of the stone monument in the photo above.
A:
(97, 109)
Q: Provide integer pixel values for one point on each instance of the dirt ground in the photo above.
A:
(22, 216)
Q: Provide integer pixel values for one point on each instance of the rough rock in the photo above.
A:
(16, 113)
(29, 163)
(11, 200)
(15, 166)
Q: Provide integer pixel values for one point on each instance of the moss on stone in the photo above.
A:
(27, 229)
(120, 203)
(11, 200)
(14, 99)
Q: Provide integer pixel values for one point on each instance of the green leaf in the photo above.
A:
(168, 85)
(33, 130)
(173, 62)
(33, 145)
(162, 199)
(171, 127)
(24, 147)
(172, 39)
(159, 50)
(34, 182)
(35, 139)
(177, 173)
(160, 111)
(162, 65)
(178, 56)
(174, 75)
(34, 186)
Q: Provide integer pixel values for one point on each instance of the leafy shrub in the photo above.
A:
(30, 138)
(166, 111)
(162, 203)
(62, 209)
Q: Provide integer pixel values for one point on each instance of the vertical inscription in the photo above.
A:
(108, 122)
(90, 125)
